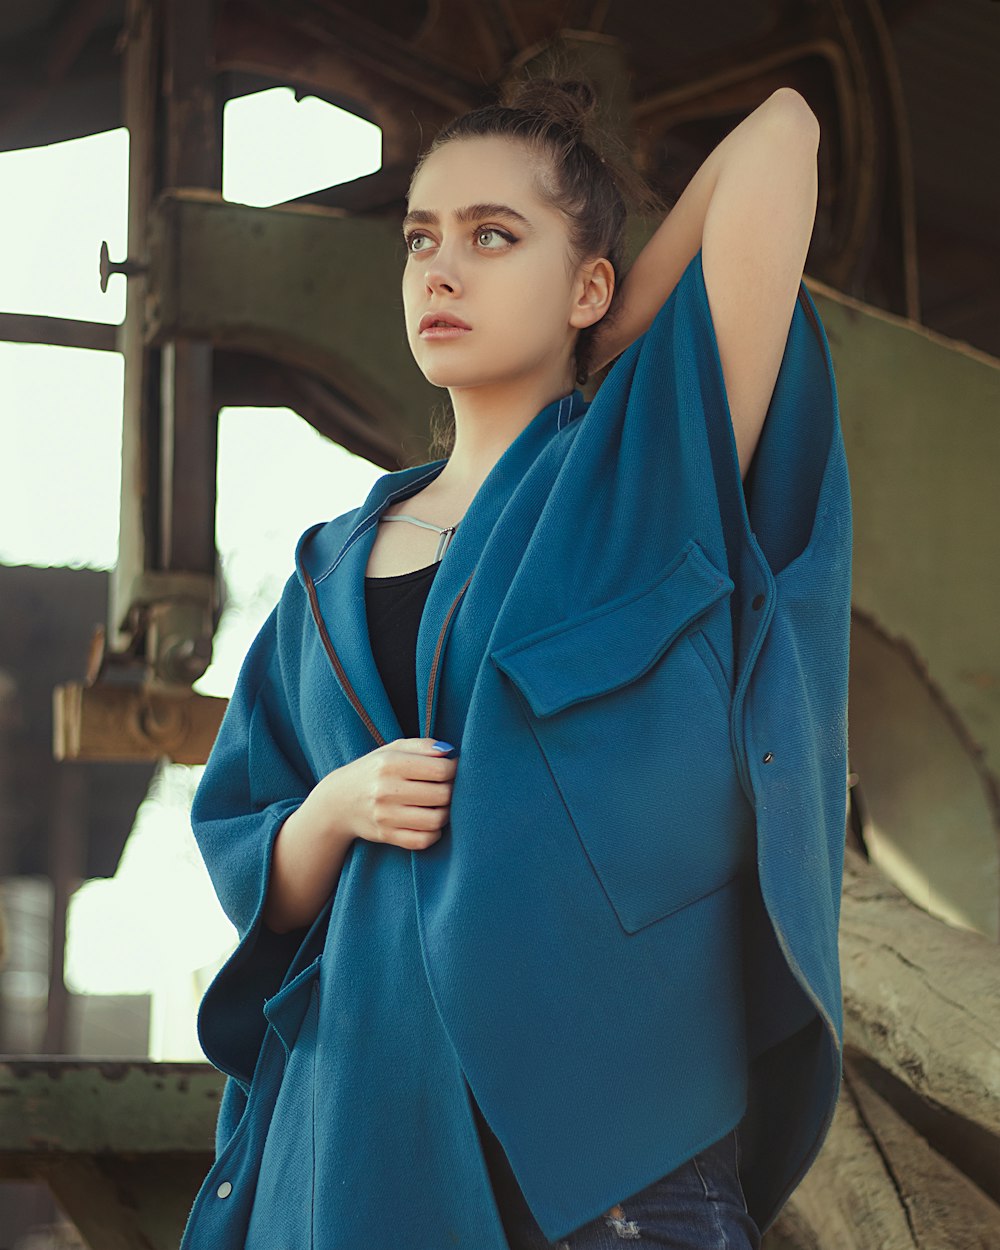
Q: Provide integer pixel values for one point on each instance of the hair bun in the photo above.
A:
(568, 101)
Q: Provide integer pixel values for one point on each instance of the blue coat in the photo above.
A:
(625, 942)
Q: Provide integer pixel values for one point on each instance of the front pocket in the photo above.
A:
(633, 722)
(287, 1009)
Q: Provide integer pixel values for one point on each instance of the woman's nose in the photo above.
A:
(437, 278)
(441, 273)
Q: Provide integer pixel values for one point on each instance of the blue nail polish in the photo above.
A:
(443, 746)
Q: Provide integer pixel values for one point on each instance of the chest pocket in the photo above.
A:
(630, 706)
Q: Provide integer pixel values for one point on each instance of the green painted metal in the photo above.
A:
(921, 421)
(928, 815)
(312, 287)
(64, 1106)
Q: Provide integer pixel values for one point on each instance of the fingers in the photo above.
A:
(419, 760)
(412, 827)
(405, 803)
(420, 792)
(425, 746)
(428, 826)
(410, 800)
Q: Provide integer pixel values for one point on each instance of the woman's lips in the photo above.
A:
(443, 332)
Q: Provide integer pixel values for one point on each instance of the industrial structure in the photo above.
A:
(230, 304)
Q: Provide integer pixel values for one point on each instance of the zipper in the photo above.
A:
(437, 656)
(335, 660)
(342, 674)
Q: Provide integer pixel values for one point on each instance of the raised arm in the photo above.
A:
(750, 207)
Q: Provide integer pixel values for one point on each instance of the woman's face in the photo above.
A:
(508, 279)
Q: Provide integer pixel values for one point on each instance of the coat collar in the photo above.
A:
(331, 566)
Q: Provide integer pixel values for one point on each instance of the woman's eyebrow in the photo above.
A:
(472, 212)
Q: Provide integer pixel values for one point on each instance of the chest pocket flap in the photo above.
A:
(614, 643)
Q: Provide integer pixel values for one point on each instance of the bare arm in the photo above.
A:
(308, 854)
(750, 207)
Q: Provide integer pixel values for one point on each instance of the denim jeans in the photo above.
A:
(698, 1206)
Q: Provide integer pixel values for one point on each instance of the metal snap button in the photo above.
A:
(224, 1190)
(768, 758)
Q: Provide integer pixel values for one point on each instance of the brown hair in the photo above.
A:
(590, 179)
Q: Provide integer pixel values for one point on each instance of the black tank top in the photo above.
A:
(394, 606)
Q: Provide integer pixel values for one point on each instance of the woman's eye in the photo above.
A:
(484, 231)
(501, 234)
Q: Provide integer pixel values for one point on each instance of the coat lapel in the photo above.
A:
(340, 586)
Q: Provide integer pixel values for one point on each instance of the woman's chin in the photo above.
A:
(441, 375)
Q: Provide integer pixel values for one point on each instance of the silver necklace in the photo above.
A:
(447, 532)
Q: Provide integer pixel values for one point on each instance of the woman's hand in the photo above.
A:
(398, 794)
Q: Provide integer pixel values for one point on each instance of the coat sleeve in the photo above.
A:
(800, 445)
(788, 530)
(255, 777)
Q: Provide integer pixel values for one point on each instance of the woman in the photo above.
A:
(591, 994)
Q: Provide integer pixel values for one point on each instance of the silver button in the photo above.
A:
(224, 1190)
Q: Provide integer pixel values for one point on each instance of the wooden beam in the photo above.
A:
(920, 997)
(878, 1185)
(124, 722)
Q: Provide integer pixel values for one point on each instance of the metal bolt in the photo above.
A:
(108, 266)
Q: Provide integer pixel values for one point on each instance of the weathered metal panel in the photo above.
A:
(94, 1106)
(921, 420)
(308, 286)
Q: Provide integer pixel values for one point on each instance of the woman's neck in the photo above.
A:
(487, 420)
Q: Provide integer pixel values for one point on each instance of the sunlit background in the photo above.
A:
(156, 928)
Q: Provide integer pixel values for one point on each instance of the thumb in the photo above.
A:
(438, 747)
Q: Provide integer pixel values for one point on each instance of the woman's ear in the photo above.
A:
(594, 288)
